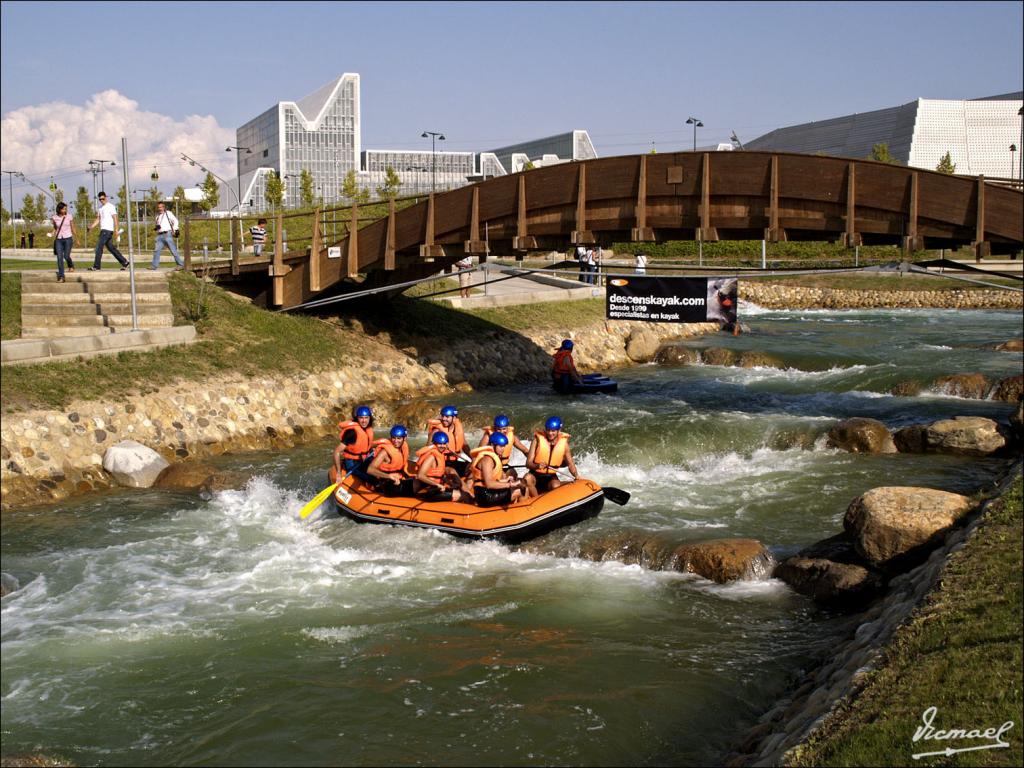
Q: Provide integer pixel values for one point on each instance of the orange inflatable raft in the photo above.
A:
(569, 503)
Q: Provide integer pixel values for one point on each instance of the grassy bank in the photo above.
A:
(960, 653)
(10, 306)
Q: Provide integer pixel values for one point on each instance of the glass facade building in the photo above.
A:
(320, 133)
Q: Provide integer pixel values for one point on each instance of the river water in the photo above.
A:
(156, 628)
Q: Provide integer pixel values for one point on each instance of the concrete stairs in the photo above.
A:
(92, 303)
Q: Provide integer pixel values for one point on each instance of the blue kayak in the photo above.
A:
(592, 383)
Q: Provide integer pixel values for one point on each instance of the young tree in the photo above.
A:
(880, 152)
(42, 204)
(83, 206)
(349, 187)
(275, 191)
(306, 188)
(211, 196)
(58, 196)
(122, 203)
(179, 198)
(389, 189)
(946, 165)
(28, 209)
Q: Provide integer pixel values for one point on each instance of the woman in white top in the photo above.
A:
(64, 238)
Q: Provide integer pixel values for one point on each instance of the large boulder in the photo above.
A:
(1009, 390)
(1013, 345)
(964, 435)
(133, 464)
(722, 560)
(754, 359)
(906, 388)
(831, 572)
(1017, 422)
(891, 523)
(719, 356)
(641, 346)
(196, 476)
(912, 439)
(861, 435)
(973, 386)
(676, 354)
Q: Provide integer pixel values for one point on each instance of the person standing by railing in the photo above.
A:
(258, 232)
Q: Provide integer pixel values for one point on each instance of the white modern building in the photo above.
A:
(977, 133)
(321, 133)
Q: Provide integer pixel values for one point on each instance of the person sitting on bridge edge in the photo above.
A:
(355, 446)
(491, 486)
(435, 481)
(390, 462)
(451, 426)
(563, 369)
(549, 451)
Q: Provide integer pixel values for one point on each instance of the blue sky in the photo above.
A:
(485, 74)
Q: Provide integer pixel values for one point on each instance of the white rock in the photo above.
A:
(132, 464)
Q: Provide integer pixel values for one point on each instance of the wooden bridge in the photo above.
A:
(647, 198)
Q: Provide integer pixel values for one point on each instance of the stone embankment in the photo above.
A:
(48, 455)
(888, 543)
(773, 296)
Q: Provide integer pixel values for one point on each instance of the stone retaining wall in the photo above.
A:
(49, 455)
(795, 297)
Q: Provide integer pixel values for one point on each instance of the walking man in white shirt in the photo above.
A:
(166, 225)
(106, 219)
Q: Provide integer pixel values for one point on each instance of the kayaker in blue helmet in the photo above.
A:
(563, 368)
(548, 452)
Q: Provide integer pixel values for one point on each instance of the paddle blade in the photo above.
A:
(616, 495)
(319, 499)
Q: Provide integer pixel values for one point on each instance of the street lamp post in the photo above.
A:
(696, 124)
(434, 138)
(101, 163)
(238, 173)
(10, 188)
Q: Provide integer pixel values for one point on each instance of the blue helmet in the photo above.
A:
(449, 410)
(499, 439)
(399, 430)
(553, 423)
(501, 421)
(567, 344)
(439, 438)
(364, 410)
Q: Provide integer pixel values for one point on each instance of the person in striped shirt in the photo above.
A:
(259, 236)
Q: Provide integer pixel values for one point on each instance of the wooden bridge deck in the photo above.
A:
(649, 198)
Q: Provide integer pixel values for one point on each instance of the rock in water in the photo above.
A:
(860, 435)
(196, 476)
(722, 560)
(831, 572)
(890, 522)
(754, 359)
(1013, 345)
(719, 356)
(969, 385)
(641, 346)
(965, 435)
(676, 354)
(133, 464)
(1009, 390)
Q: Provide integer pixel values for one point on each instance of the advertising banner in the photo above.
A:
(672, 299)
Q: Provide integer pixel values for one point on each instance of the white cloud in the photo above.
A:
(57, 138)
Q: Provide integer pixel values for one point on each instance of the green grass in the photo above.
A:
(235, 338)
(961, 653)
(10, 307)
(17, 265)
(870, 282)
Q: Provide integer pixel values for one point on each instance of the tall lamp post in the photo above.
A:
(101, 163)
(696, 124)
(10, 188)
(238, 172)
(434, 138)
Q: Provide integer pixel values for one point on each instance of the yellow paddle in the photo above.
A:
(319, 499)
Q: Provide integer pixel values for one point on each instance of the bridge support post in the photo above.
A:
(186, 245)
(314, 253)
(475, 245)
(581, 235)
(277, 267)
(979, 246)
(389, 247)
(430, 250)
(236, 246)
(641, 232)
(522, 241)
(912, 242)
(707, 234)
(851, 238)
(352, 268)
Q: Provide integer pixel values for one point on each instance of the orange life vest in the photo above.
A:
(360, 449)
(397, 459)
(504, 452)
(478, 454)
(437, 471)
(563, 362)
(456, 437)
(547, 457)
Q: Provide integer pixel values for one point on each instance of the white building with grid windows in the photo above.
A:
(977, 133)
(321, 133)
